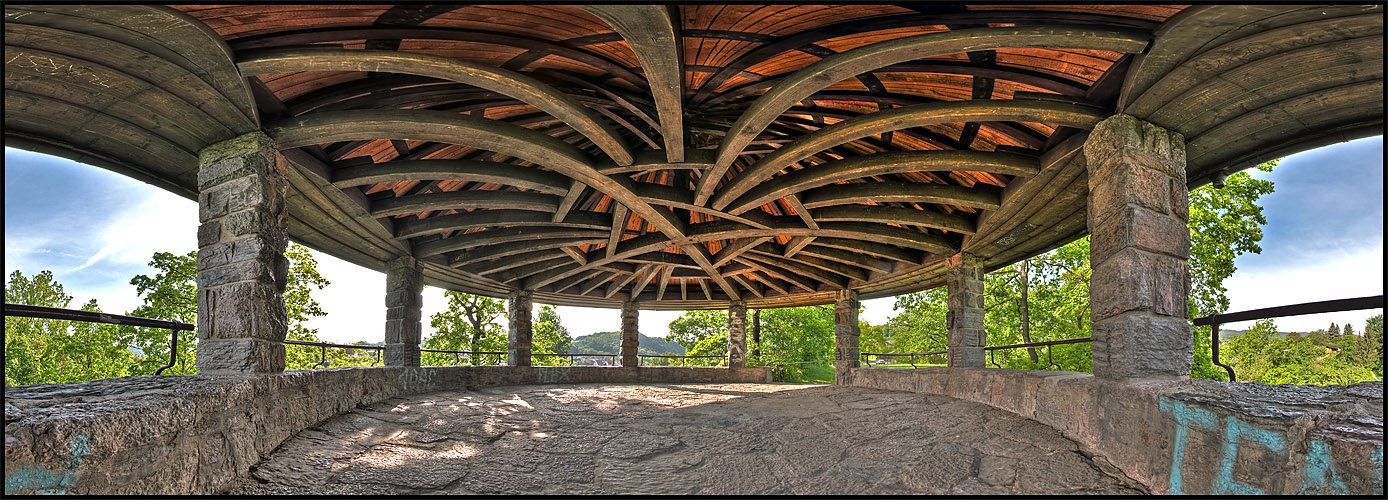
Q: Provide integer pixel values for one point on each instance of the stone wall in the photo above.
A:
(1187, 436)
(197, 434)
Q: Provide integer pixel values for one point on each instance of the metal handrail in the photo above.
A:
(28, 311)
(1048, 344)
(639, 356)
(912, 355)
(323, 350)
(571, 356)
(1325, 306)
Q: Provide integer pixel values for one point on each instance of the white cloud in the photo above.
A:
(163, 222)
(1356, 273)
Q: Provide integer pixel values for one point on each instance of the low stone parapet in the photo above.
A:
(1187, 436)
(197, 434)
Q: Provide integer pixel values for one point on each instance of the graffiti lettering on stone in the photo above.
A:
(417, 379)
(150, 24)
(553, 375)
(1320, 476)
(47, 482)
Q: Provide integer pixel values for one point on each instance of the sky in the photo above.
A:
(96, 230)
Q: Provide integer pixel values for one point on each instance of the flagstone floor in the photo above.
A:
(681, 439)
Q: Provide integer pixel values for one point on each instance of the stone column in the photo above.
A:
(964, 319)
(845, 334)
(1138, 245)
(242, 270)
(518, 338)
(737, 334)
(630, 336)
(404, 303)
(756, 334)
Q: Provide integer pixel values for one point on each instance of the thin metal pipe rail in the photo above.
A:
(572, 356)
(640, 356)
(1325, 306)
(1048, 344)
(28, 311)
(458, 355)
(912, 355)
(323, 350)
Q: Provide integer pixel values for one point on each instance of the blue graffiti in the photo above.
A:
(1376, 457)
(46, 482)
(1321, 476)
(552, 375)
(416, 379)
(1235, 430)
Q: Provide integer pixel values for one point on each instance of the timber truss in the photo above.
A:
(684, 156)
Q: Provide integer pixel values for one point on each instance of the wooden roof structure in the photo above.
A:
(684, 155)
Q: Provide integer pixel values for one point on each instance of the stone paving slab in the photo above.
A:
(680, 439)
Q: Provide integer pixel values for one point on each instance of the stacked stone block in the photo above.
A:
(241, 266)
(737, 334)
(964, 318)
(630, 335)
(846, 346)
(1139, 245)
(404, 304)
(519, 331)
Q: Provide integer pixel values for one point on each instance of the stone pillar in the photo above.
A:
(737, 334)
(518, 337)
(964, 319)
(845, 334)
(756, 334)
(404, 303)
(1138, 245)
(242, 270)
(630, 336)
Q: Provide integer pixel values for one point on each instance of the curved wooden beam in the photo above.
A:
(412, 227)
(847, 64)
(452, 170)
(1050, 112)
(502, 235)
(510, 83)
(515, 248)
(886, 214)
(882, 164)
(655, 39)
(459, 200)
(904, 192)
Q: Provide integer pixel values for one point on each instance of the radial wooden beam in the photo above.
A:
(503, 235)
(575, 191)
(904, 192)
(451, 170)
(788, 276)
(664, 282)
(1050, 112)
(518, 247)
(850, 63)
(510, 200)
(617, 286)
(884, 214)
(412, 227)
(748, 285)
(619, 226)
(510, 83)
(708, 294)
(735, 248)
(883, 164)
(575, 254)
(654, 37)
(650, 274)
(596, 282)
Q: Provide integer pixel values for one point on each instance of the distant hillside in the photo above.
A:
(610, 343)
(1226, 335)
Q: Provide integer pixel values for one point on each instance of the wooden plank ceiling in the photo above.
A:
(685, 156)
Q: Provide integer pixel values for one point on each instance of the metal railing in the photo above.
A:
(28, 311)
(571, 356)
(912, 355)
(1213, 321)
(323, 350)
(1048, 344)
(640, 357)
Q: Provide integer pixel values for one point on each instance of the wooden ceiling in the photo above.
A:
(684, 156)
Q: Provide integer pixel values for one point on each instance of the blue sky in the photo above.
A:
(96, 229)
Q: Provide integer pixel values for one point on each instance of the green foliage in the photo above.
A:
(1261, 355)
(548, 336)
(695, 326)
(39, 351)
(470, 323)
(48, 351)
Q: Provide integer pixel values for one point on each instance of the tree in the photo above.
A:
(57, 351)
(1334, 331)
(171, 294)
(693, 327)
(471, 323)
(548, 336)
